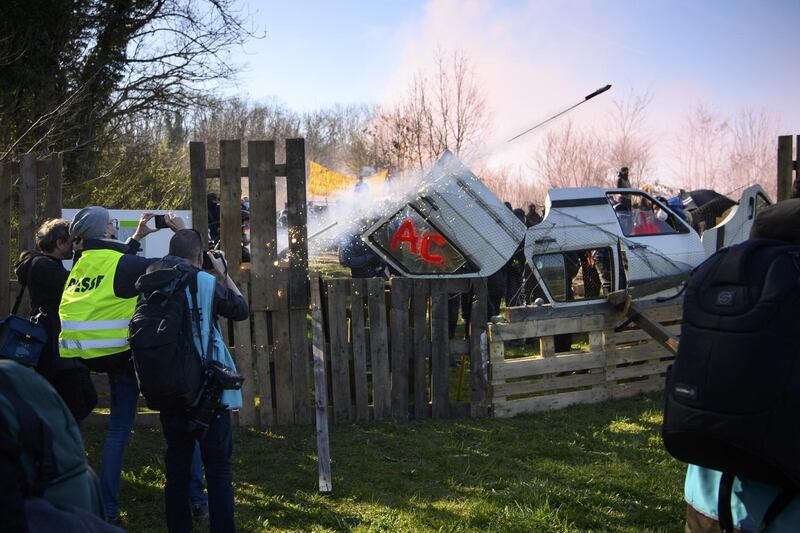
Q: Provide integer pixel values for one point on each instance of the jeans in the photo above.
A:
(124, 394)
(216, 449)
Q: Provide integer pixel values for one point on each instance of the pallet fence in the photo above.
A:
(611, 364)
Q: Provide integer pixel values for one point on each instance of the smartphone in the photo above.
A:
(160, 222)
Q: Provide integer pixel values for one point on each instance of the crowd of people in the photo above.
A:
(86, 312)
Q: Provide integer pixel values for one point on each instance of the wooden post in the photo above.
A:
(27, 202)
(440, 351)
(339, 354)
(320, 389)
(230, 174)
(422, 349)
(399, 344)
(263, 220)
(282, 355)
(478, 357)
(261, 356)
(53, 202)
(357, 292)
(244, 364)
(296, 197)
(785, 160)
(379, 350)
(197, 172)
(298, 331)
(5, 238)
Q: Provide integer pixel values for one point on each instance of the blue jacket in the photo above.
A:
(749, 501)
(206, 285)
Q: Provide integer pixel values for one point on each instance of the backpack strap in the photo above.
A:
(724, 512)
(35, 436)
(19, 299)
(196, 317)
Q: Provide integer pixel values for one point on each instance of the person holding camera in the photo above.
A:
(97, 303)
(209, 422)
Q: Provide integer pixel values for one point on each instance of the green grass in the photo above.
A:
(586, 468)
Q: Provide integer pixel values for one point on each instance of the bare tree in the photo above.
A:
(443, 111)
(701, 147)
(753, 138)
(571, 158)
(627, 143)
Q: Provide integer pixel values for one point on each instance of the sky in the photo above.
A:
(534, 58)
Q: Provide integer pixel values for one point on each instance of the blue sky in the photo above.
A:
(534, 57)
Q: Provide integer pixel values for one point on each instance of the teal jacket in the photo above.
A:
(749, 501)
(206, 284)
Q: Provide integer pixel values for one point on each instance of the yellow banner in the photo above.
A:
(325, 182)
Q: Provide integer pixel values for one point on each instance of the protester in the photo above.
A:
(354, 253)
(44, 276)
(97, 304)
(532, 217)
(750, 500)
(213, 298)
(212, 203)
(245, 236)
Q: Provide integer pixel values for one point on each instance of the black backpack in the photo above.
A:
(168, 367)
(733, 392)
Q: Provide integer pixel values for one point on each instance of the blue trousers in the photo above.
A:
(124, 395)
(216, 449)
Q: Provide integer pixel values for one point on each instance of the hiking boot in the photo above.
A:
(199, 511)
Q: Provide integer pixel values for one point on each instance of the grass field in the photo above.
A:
(586, 468)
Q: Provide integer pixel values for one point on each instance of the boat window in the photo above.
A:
(576, 275)
(638, 216)
(418, 246)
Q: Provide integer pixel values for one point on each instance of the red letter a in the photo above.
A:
(407, 234)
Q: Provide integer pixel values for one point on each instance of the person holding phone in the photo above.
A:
(97, 303)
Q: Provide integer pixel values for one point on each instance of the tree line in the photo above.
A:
(121, 87)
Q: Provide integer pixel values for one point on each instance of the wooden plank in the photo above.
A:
(244, 364)
(27, 202)
(340, 355)
(399, 345)
(554, 326)
(261, 354)
(550, 402)
(547, 346)
(52, 204)
(282, 355)
(230, 162)
(647, 289)
(497, 348)
(263, 224)
(298, 329)
(379, 349)
(554, 384)
(659, 333)
(422, 348)
(296, 211)
(455, 286)
(357, 292)
(634, 388)
(638, 335)
(197, 174)
(529, 367)
(478, 358)
(637, 371)
(320, 388)
(5, 238)
(632, 354)
(785, 158)
(440, 352)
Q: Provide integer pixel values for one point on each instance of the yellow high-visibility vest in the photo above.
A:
(94, 320)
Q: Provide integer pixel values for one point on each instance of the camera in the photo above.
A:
(218, 379)
(208, 265)
(161, 221)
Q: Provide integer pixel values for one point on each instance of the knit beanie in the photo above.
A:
(89, 223)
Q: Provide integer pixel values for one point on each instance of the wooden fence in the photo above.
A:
(387, 349)
(608, 364)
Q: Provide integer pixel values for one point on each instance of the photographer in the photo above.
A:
(213, 431)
